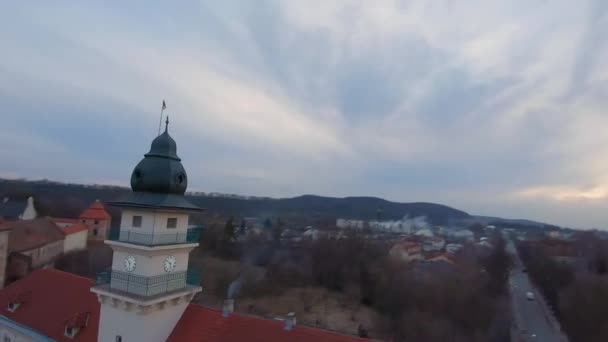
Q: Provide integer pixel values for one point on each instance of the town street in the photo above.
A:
(533, 320)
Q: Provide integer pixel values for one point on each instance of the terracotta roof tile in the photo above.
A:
(75, 228)
(203, 324)
(96, 211)
(29, 234)
(50, 300)
(64, 220)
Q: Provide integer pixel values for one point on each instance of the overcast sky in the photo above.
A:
(496, 108)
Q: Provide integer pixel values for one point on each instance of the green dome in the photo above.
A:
(161, 170)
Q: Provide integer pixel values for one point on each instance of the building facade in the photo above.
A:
(149, 287)
(97, 220)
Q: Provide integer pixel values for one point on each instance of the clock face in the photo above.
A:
(170, 263)
(130, 263)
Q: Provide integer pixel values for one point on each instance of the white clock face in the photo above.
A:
(170, 263)
(130, 263)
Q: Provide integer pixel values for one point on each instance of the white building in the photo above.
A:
(75, 237)
(433, 244)
(148, 286)
(453, 248)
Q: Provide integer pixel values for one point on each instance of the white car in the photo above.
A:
(530, 295)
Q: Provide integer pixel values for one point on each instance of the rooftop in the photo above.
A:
(49, 299)
(203, 324)
(29, 234)
(75, 228)
(95, 211)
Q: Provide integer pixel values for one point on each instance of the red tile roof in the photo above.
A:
(29, 234)
(64, 220)
(52, 299)
(75, 228)
(95, 211)
(203, 324)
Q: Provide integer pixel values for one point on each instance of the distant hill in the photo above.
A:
(514, 223)
(68, 200)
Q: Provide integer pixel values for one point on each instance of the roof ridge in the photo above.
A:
(299, 326)
(62, 273)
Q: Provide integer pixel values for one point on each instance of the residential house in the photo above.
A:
(462, 235)
(453, 248)
(406, 251)
(75, 237)
(75, 232)
(425, 233)
(350, 224)
(12, 209)
(433, 244)
(32, 244)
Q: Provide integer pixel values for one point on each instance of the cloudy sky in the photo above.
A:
(493, 107)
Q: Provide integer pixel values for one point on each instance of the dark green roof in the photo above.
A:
(161, 169)
(159, 179)
(153, 200)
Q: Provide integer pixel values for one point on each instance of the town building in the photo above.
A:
(32, 244)
(12, 209)
(146, 294)
(433, 244)
(97, 220)
(453, 248)
(406, 251)
(75, 237)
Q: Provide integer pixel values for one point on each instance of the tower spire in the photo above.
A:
(167, 124)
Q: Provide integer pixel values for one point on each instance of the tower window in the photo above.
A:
(172, 222)
(95, 232)
(118, 338)
(96, 222)
(136, 221)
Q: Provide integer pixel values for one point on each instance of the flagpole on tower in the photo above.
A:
(161, 116)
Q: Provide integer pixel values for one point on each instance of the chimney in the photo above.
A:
(227, 307)
(290, 321)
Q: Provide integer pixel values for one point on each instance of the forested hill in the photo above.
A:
(68, 200)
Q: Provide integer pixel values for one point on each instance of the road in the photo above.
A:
(533, 319)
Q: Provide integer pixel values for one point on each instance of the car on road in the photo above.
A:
(530, 295)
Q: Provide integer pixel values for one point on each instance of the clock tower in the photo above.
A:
(149, 285)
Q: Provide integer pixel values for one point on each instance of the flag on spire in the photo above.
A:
(164, 105)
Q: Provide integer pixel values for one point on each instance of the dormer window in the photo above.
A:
(71, 331)
(12, 307)
(73, 325)
(172, 222)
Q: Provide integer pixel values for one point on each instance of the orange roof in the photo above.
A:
(203, 324)
(95, 211)
(75, 228)
(64, 220)
(50, 299)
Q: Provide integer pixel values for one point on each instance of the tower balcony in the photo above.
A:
(192, 235)
(127, 283)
